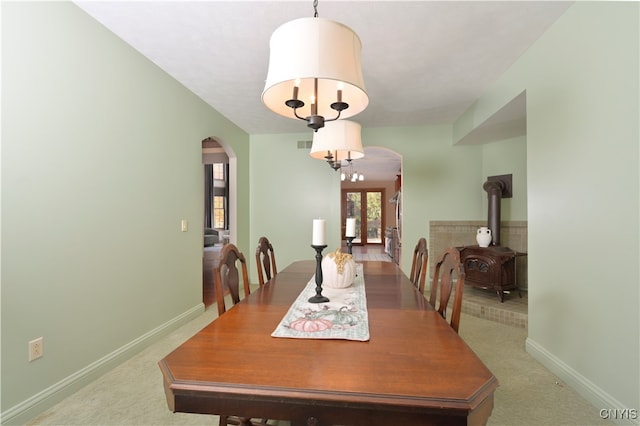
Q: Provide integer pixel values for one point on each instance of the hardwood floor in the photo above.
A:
(368, 252)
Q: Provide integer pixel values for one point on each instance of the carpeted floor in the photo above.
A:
(132, 393)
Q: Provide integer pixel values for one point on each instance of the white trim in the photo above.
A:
(38, 403)
(586, 388)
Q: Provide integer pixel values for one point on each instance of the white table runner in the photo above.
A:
(343, 317)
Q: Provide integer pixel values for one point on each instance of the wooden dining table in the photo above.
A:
(414, 369)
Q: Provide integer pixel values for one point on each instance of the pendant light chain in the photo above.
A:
(315, 8)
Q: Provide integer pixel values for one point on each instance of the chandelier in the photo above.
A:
(337, 142)
(350, 174)
(314, 72)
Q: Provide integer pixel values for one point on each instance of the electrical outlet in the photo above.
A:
(36, 349)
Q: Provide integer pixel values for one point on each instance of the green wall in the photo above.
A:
(440, 182)
(504, 157)
(581, 82)
(288, 190)
(101, 159)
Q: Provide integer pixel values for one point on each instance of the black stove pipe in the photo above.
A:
(494, 190)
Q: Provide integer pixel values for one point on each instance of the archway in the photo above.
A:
(380, 222)
(219, 207)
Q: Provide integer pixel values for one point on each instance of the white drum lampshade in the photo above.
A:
(340, 139)
(322, 59)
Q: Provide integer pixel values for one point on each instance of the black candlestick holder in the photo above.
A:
(350, 243)
(318, 298)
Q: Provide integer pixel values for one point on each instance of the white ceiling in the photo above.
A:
(424, 62)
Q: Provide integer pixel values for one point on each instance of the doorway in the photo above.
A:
(369, 210)
(219, 206)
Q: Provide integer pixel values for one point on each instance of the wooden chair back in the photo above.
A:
(419, 265)
(447, 267)
(265, 260)
(227, 277)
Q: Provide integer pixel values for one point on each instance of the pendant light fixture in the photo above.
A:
(351, 175)
(336, 142)
(315, 72)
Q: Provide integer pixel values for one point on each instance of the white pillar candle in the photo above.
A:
(351, 227)
(319, 227)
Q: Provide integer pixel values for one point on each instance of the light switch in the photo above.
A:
(185, 225)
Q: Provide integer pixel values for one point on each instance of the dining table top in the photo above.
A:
(414, 367)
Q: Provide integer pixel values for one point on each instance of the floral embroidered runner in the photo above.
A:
(343, 317)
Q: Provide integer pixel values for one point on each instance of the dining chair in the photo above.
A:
(419, 265)
(265, 260)
(447, 267)
(226, 276)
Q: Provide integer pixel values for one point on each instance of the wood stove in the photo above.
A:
(493, 267)
(490, 268)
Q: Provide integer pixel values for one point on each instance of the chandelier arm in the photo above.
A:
(296, 114)
(332, 119)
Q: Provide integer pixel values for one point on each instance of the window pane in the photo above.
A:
(218, 171)
(218, 212)
(354, 205)
(374, 217)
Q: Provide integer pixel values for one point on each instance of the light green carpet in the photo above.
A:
(132, 393)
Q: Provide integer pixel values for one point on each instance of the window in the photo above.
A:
(367, 208)
(217, 196)
(219, 211)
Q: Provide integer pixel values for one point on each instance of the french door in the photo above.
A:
(367, 207)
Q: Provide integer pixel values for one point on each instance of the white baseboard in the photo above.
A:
(616, 411)
(38, 403)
